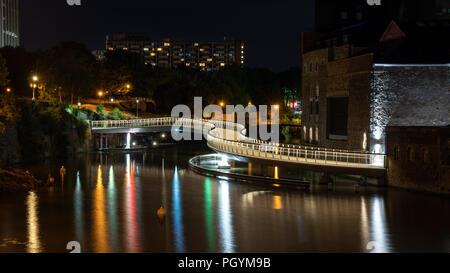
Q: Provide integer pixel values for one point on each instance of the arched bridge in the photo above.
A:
(230, 138)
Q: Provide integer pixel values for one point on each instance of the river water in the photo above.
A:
(108, 203)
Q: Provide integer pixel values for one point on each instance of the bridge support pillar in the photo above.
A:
(106, 141)
(101, 142)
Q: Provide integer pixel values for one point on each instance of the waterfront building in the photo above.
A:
(365, 66)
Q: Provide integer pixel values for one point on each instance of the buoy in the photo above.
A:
(161, 213)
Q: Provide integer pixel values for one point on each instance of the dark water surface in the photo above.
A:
(108, 203)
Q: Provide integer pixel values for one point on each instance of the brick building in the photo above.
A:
(367, 68)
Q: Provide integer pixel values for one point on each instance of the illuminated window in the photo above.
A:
(202, 49)
(182, 59)
(222, 64)
(188, 64)
(166, 44)
(146, 49)
(110, 48)
(159, 49)
(209, 60)
(202, 64)
(125, 48)
(153, 54)
(195, 44)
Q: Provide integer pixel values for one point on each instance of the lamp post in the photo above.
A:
(137, 108)
(35, 79)
(79, 105)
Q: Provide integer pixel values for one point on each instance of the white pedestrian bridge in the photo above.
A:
(230, 138)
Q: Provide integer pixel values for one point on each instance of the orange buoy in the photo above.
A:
(161, 213)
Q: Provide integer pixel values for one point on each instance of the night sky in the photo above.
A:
(270, 28)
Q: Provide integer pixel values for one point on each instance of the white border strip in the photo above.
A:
(410, 65)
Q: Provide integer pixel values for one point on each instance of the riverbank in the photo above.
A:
(14, 180)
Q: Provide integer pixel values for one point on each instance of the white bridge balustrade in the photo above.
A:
(218, 138)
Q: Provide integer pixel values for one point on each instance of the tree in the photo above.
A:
(3, 73)
(69, 69)
(7, 105)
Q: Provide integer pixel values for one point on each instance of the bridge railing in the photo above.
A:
(249, 147)
(299, 155)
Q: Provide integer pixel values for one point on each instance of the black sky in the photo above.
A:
(270, 28)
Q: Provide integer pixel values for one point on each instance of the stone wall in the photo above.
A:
(418, 158)
(405, 95)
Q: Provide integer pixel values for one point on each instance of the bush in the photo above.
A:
(117, 113)
(100, 108)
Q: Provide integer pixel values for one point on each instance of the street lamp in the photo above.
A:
(35, 79)
(8, 89)
(222, 104)
(137, 108)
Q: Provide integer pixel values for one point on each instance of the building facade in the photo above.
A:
(9, 24)
(363, 73)
(206, 56)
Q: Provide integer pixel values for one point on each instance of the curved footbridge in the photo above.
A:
(230, 138)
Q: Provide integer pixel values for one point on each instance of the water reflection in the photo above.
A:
(132, 231)
(365, 236)
(99, 213)
(78, 207)
(209, 215)
(379, 235)
(225, 218)
(105, 213)
(112, 210)
(177, 215)
(277, 205)
(34, 242)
